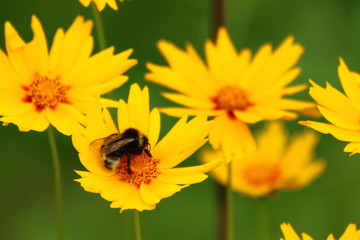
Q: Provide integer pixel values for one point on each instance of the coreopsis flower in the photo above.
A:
(351, 233)
(41, 87)
(342, 111)
(100, 4)
(233, 87)
(278, 163)
(139, 180)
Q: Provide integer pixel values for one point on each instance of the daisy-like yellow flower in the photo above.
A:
(41, 87)
(278, 163)
(150, 175)
(100, 4)
(342, 111)
(233, 87)
(351, 233)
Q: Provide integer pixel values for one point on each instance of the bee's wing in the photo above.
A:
(112, 138)
(116, 145)
(98, 143)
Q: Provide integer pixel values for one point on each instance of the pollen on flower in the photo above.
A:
(143, 168)
(262, 175)
(45, 91)
(231, 98)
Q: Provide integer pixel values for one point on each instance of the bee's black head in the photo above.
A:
(131, 133)
(141, 142)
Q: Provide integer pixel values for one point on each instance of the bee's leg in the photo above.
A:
(147, 152)
(128, 163)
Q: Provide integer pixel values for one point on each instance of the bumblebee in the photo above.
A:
(116, 145)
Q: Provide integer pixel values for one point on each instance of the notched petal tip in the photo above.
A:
(162, 43)
(13, 40)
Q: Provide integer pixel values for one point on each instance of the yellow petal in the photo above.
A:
(64, 118)
(339, 120)
(28, 120)
(222, 57)
(105, 70)
(288, 232)
(148, 195)
(260, 59)
(176, 158)
(86, 3)
(72, 43)
(350, 233)
(330, 237)
(337, 132)
(123, 116)
(180, 76)
(191, 102)
(154, 127)
(188, 175)
(308, 174)
(349, 83)
(283, 58)
(232, 136)
(300, 151)
(181, 140)
(106, 87)
(163, 189)
(99, 123)
(37, 49)
(138, 108)
(135, 201)
(272, 140)
(15, 50)
(353, 148)
(109, 186)
(335, 105)
(180, 112)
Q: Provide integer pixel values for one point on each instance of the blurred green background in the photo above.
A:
(326, 28)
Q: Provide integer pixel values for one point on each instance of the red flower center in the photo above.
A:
(45, 91)
(231, 98)
(262, 174)
(143, 169)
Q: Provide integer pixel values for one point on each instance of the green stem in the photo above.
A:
(99, 27)
(57, 184)
(230, 205)
(219, 15)
(137, 225)
(263, 219)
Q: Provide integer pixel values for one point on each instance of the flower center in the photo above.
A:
(143, 168)
(45, 91)
(231, 98)
(262, 174)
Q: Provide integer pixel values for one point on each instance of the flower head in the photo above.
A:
(100, 4)
(351, 233)
(140, 180)
(233, 87)
(279, 163)
(342, 111)
(41, 87)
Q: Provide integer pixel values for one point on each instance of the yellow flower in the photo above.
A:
(151, 176)
(41, 87)
(343, 112)
(351, 233)
(279, 163)
(100, 4)
(233, 87)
